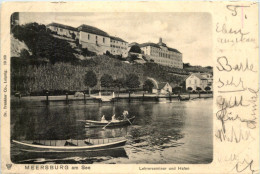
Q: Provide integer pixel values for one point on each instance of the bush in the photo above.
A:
(86, 52)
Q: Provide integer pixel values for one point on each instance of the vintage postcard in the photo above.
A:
(129, 87)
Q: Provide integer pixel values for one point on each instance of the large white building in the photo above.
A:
(94, 39)
(118, 46)
(162, 54)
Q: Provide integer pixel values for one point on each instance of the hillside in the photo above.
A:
(56, 63)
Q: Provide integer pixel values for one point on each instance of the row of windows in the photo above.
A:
(167, 61)
(113, 41)
(116, 51)
(104, 39)
(157, 50)
(114, 46)
(176, 61)
(195, 81)
(166, 55)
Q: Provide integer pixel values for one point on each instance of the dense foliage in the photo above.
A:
(148, 86)
(42, 44)
(106, 81)
(132, 81)
(190, 68)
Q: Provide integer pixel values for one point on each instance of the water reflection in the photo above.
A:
(158, 128)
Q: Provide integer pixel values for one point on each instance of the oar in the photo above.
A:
(107, 125)
(81, 120)
(129, 121)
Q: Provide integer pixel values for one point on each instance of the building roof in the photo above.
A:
(92, 30)
(162, 85)
(62, 26)
(117, 38)
(149, 44)
(199, 76)
(158, 46)
(174, 50)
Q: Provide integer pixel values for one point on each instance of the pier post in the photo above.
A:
(84, 97)
(67, 98)
(129, 96)
(47, 98)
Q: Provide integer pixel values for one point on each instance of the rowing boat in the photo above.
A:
(93, 123)
(69, 145)
(73, 158)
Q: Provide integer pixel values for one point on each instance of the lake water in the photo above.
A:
(163, 132)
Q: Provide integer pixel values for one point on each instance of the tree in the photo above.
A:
(198, 89)
(177, 89)
(207, 88)
(90, 80)
(135, 49)
(106, 81)
(148, 86)
(132, 81)
(119, 83)
(189, 89)
(108, 53)
(73, 36)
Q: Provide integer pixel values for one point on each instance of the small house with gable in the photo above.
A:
(163, 88)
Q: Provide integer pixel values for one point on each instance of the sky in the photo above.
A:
(190, 33)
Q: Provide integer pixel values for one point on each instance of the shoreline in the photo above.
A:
(71, 99)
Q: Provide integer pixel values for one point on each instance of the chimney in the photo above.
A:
(160, 40)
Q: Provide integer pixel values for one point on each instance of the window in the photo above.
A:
(103, 40)
(61, 29)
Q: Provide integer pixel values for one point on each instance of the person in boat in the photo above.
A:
(125, 115)
(114, 118)
(103, 119)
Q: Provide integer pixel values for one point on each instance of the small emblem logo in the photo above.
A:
(9, 166)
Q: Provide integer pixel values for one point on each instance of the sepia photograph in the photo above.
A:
(111, 88)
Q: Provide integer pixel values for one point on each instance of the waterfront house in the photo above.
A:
(195, 80)
(209, 78)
